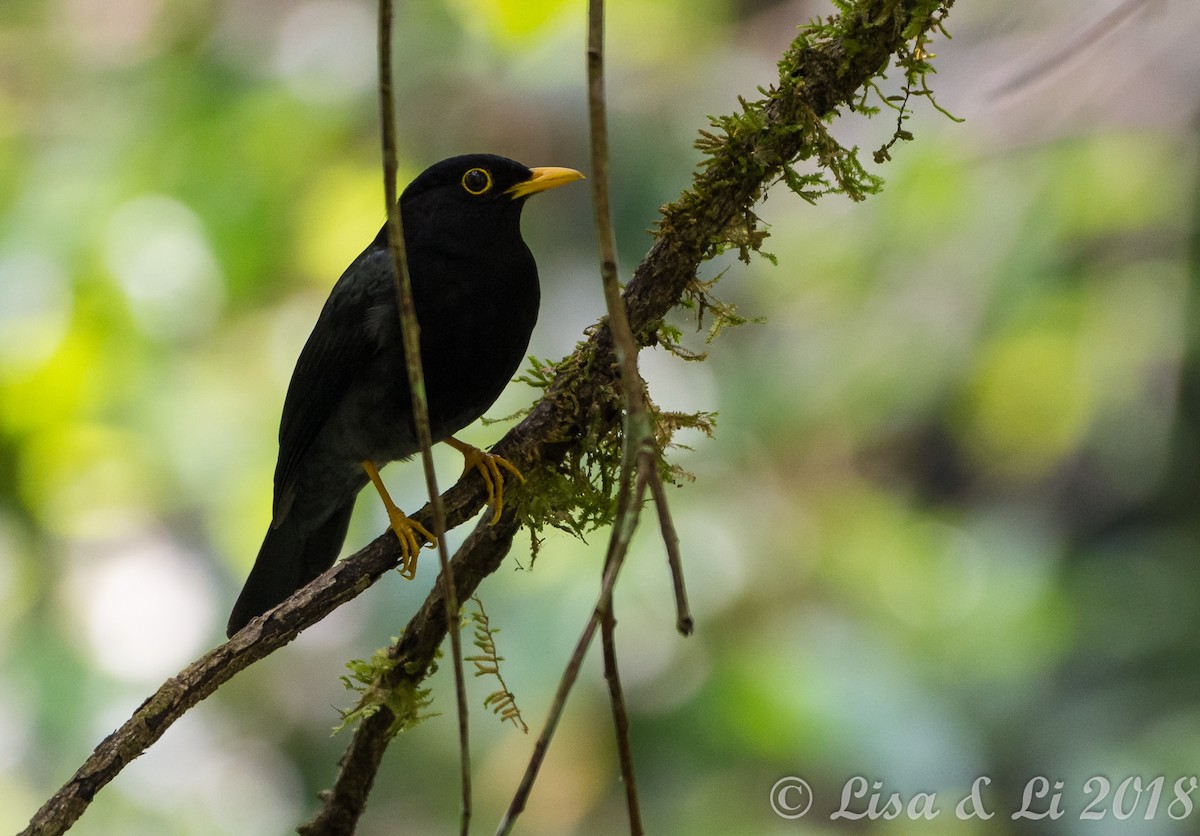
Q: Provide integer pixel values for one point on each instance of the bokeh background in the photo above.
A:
(947, 527)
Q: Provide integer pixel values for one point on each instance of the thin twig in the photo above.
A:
(683, 614)
(616, 698)
(614, 560)
(410, 330)
(608, 624)
(641, 452)
(639, 423)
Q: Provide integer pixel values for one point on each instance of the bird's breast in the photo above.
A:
(474, 336)
(475, 321)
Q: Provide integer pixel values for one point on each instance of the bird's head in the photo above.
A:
(474, 192)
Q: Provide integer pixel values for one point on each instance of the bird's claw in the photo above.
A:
(406, 530)
(489, 465)
(404, 527)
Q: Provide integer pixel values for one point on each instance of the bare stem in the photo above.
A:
(410, 329)
(616, 695)
(639, 424)
(640, 448)
(631, 497)
(683, 614)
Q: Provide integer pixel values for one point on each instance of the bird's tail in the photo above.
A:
(287, 560)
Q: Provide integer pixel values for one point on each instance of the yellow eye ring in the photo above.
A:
(477, 181)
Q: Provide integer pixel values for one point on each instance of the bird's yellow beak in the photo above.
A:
(547, 177)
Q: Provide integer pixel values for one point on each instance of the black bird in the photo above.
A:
(348, 409)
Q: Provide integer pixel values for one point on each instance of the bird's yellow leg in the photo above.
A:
(405, 529)
(488, 465)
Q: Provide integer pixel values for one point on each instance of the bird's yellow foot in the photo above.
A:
(405, 528)
(488, 465)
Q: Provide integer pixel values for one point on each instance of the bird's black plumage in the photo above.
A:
(475, 287)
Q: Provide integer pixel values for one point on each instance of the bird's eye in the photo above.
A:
(477, 181)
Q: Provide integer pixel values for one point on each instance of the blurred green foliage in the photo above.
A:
(947, 526)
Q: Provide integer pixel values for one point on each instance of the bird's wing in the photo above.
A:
(340, 344)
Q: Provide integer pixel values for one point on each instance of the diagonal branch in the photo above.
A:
(816, 76)
(479, 555)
